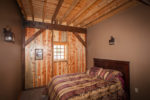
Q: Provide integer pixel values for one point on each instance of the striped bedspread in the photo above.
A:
(81, 86)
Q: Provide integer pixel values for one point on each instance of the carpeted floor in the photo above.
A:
(33, 94)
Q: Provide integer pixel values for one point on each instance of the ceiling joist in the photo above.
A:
(72, 6)
(82, 10)
(146, 2)
(81, 13)
(93, 10)
(113, 7)
(22, 8)
(60, 2)
(31, 9)
(44, 10)
(110, 13)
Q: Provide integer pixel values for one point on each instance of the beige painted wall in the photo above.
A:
(131, 29)
(10, 54)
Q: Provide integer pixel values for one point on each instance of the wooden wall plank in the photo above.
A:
(39, 63)
(40, 72)
(49, 56)
(40, 69)
(29, 62)
(44, 58)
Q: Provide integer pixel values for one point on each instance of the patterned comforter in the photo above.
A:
(81, 86)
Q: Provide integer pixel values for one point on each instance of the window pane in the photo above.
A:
(62, 54)
(62, 57)
(62, 46)
(58, 57)
(59, 52)
(55, 57)
(55, 46)
(58, 46)
(62, 50)
(55, 50)
(55, 53)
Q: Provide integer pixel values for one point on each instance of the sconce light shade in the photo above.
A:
(8, 35)
(112, 40)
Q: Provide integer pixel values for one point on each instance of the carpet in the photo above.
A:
(33, 94)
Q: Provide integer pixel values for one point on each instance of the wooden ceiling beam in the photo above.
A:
(34, 36)
(112, 7)
(60, 2)
(31, 9)
(145, 2)
(82, 10)
(44, 10)
(110, 13)
(72, 6)
(41, 25)
(22, 8)
(98, 12)
(80, 39)
(93, 10)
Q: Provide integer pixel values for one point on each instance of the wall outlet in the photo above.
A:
(136, 90)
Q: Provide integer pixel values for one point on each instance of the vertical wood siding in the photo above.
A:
(39, 72)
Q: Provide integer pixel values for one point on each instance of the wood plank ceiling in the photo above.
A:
(77, 13)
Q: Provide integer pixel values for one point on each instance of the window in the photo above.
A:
(59, 52)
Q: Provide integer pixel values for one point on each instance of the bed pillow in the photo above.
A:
(94, 71)
(109, 75)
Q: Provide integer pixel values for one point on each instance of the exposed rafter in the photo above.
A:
(82, 10)
(41, 25)
(31, 9)
(60, 2)
(93, 10)
(44, 10)
(146, 2)
(80, 39)
(22, 8)
(72, 6)
(77, 13)
(110, 13)
(34, 36)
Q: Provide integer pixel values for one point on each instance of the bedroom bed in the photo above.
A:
(107, 80)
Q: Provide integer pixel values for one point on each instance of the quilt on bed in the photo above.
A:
(81, 86)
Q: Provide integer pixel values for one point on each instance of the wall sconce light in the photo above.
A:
(8, 35)
(112, 40)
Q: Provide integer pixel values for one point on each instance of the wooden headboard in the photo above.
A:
(122, 66)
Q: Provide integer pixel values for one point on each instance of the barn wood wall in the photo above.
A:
(39, 72)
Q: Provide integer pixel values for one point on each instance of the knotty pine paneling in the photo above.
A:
(40, 72)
